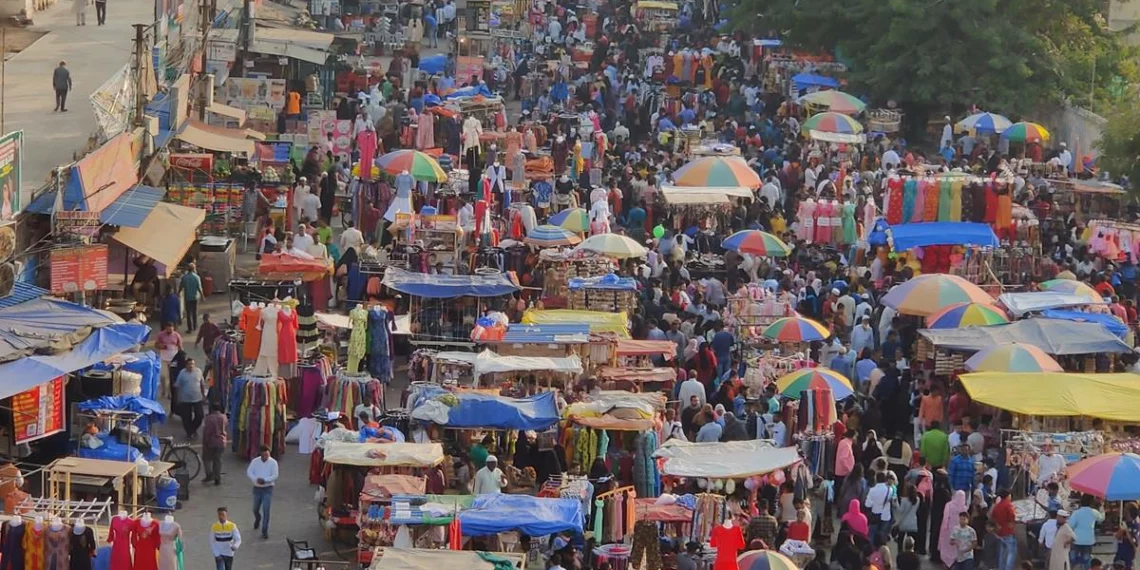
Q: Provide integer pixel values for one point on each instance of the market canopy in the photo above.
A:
(807, 80)
(608, 281)
(288, 266)
(550, 333)
(663, 348)
(165, 235)
(391, 558)
(468, 410)
(1112, 397)
(1022, 303)
(47, 326)
(449, 286)
(534, 516)
(422, 455)
(218, 139)
(490, 363)
(908, 236)
(1055, 337)
(600, 322)
(1110, 322)
(103, 343)
(725, 460)
(637, 375)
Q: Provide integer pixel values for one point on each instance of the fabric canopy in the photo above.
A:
(166, 234)
(391, 558)
(31, 371)
(679, 197)
(730, 460)
(646, 348)
(728, 191)
(136, 404)
(1112, 397)
(449, 286)
(283, 264)
(499, 512)
(1110, 322)
(476, 410)
(600, 322)
(384, 454)
(805, 80)
(610, 282)
(618, 374)
(649, 510)
(1055, 337)
(1021, 303)
(216, 139)
(47, 326)
(909, 236)
(489, 363)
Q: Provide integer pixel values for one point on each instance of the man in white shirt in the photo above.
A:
(310, 207)
(777, 431)
(1049, 464)
(1049, 531)
(879, 501)
(299, 192)
(466, 216)
(947, 133)
(771, 191)
(302, 241)
(351, 238)
(262, 472)
(1066, 157)
(490, 478)
(891, 159)
(690, 388)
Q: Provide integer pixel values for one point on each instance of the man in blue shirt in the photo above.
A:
(1083, 522)
(961, 471)
(432, 30)
(722, 344)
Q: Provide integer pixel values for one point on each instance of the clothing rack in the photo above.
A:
(345, 391)
(308, 388)
(225, 362)
(258, 408)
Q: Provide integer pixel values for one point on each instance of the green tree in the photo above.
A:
(1119, 143)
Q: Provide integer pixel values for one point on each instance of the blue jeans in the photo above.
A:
(224, 562)
(723, 364)
(1007, 557)
(967, 564)
(262, 499)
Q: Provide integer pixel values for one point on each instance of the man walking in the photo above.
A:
(61, 81)
(214, 438)
(190, 388)
(101, 11)
(225, 540)
(262, 472)
(191, 293)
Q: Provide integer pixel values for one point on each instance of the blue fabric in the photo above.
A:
(448, 286)
(909, 236)
(805, 80)
(379, 359)
(433, 65)
(147, 408)
(103, 558)
(40, 323)
(112, 450)
(477, 410)
(467, 91)
(1109, 322)
(499, 512)
(146, 364)
(101, 344)
(610, 281)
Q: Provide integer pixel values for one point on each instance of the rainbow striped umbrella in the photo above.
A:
(983, 124)
(613, 245)
(961, 315)
(792, 384)
(764, 560)
(832, 123)
(927, 294)
(717, 171)
(1072, 287)
(796, 329)
(420, 165)
(574, 219)
(1026, 132)
(1111, 476)
(1012, 357)
(756, 242)
(551, 236)
(835, 101)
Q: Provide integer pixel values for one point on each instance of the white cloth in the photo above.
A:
(308, 429)
(267, 363)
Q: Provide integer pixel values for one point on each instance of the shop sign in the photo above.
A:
(77, 269)
(250, 93)
(11, 174)
(467, 66)
(38, 413)
(221, 50)
(85, 223)
(193, 161)
(439, 222)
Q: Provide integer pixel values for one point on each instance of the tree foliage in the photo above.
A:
(1119, 143)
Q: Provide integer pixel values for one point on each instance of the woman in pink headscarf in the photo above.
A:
(855, 520)
(955, 507)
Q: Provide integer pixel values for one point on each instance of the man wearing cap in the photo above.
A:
(1062, 543)
(1066, 157)
(490, 478)
(947, 133)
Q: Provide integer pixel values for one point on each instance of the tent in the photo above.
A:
(1112, 397)
(600, 322)
(48, 326)
(1022, 303)
(1110, 322)
(807, 80)
(490, 363)
(617, 410)
(287, 266)
(1055, 337)
(477, 410)
(449, 286)
(646, 348)
(498, 512)
(421, 455)
(908, 236)
(165, 235)
(727, 460)
(391, 558)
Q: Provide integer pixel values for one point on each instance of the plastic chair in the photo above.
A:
(301, 553)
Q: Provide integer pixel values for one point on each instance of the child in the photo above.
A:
(1125, 548)
(991, 547)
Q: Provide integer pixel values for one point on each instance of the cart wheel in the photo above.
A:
(186, 458)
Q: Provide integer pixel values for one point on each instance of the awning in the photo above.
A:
(646, 348)
(600, 322)
(228, 111)
(98, 179)
(449, 286)
(649, 510)
(567, 333)
(166, 234)
(676, 197)
(288, 266)
(1110, 322)
(31, 371)
(310, 46)
(805, 80)
(22, 293)
(47, 326)
(1055, 337)
(490, 363)
(1022, 303)
(1113, 397)
(637, 375)
(421, 455)
(534, 516)
(842, 138)
(132, 208)
(216, 138)
(472, 410)
(729, 460)
(609, 282)
(908, 236)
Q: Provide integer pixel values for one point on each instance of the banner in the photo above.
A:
(467, 66)
(246, 93)
(192, 161)
(341, 132)
(77, 269)
(11, 174)
(38, 413)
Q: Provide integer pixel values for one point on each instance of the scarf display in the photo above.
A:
(309, 386)
(258, 405)
(816, 413)
(646, 478)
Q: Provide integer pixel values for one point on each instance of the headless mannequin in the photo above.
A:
(38, 524)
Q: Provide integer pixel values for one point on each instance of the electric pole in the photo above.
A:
(208, 9)
(140, 74)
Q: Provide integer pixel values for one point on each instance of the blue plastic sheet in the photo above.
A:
(805, 80)
(498, 512)
(103, 343)
(46, 323)
(609, 281)
(448, 286)
(470, 92)
(433, 65)
(150, 410)
(476, 410)
(145, 364)
(1109, 322)
(909, 236)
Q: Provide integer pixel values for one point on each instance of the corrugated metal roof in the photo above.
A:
(563, 333)
(43, 203)
(22, 293)
(130, 209)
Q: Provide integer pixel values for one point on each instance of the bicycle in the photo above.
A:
(182, 456)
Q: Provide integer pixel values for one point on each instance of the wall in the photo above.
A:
(1077, 127)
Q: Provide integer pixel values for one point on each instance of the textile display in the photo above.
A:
(307, 335)
(646, 478)
(258, 406)
(646, 545)
(816, 412)
(225, 361)
(728, 540)
(145, 541)
(345, 391)
(12, 546)
(710, 511)
(358, 340)
(312, 375)
(381, 326)
(248, 324)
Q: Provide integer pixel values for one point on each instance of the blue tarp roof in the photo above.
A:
(46, 324)
(470, 92)
(42, 203)
(499, 512)
(1054, 336)
(805, 80)
(433, 65)
(554, 333)
(31, 371)
(609, 281)
(449, 286)
(1109, 322)
(131, 208)
(22, 293)
(908, 236)
(136, 404)
(486, 411)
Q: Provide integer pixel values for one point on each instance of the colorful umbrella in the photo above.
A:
(756, 242)
(796, 329)
(613, 245)
(717, 171)
(961, 315)
(983, 124)
(1111, 476)
(574, 219)
(1026, 132)
(1072, 287)
(927, 294)
(832, 123)
(835, 101)
(1012, 357)
(792, 384)
(420, 165)
(551, 236)
(764, 560)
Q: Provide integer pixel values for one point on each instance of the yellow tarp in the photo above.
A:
(600, 323)
(1113, 397)
(656, 5)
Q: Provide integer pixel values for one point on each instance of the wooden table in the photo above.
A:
(70, 471)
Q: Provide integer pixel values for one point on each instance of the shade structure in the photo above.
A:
(756, 242)
(832, 123)
(420, 165)
(835, 101)
(1072, 287)
(796, 329)
(961, 315)
(547, 235)
(613, 245)
(764, 560)
(574, 219)
(791, 384)
(983, 124)
(927, 294)
(1012, 357)
(717, 172)
(1111, 476)
(1026, 132)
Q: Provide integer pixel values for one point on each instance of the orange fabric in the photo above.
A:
(293, 103)
(247, 322)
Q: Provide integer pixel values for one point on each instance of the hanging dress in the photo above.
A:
(910, 190)
(931, 202)
(82, 548)
(944, 199)
(379, 359)
(287, 324)
(266, 364)
(57, 545)
(34, 548)
(119, 535)
(956, 200)
(12, 554)
(822, 222)
(358, 340)
(366, 144)
(991, 202)
(805, 230)
(250, 317)
(146, 540)
(894, 200)
(728, 542)
(425, 131)
(403, 201)
(919, 201)
(849, 234)
(168, 558)
(1004, 215)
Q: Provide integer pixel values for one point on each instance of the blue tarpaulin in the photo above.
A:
(46, 325)
(806, 80)
(486, 411)
(433, 65)
(448, 286)
(1109, 322)
(101, 344)
(499, 512)
(470, 92)
(909, 236)
(149, 409)
(610, 281)
(146, 364)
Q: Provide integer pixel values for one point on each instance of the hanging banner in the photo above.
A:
(77, 269)
(38, 413)
(11, 174)
(468, 66)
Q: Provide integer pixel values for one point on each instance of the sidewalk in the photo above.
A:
(93, 53)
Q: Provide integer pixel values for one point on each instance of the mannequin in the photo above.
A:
(498, 177)
(402, 203)
(366, 143)
(12, 551)
(146, 541)
(82, 546)
(806, 228)
(358, 340)
(119, 535)
(170, 550)
(836, 211)
(34, 545)
(287, 340)
(57, 544)
(728, 540)
(267, 356)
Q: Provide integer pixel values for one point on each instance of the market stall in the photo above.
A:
(429, 240)
(1054, 336)
(444, 308)
(521, 372)
(495, 513)
(607, 293)
(559, 267)
(373, 516)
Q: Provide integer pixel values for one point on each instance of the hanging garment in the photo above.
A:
(379, 348)
(307, 335)
(919, 201)
(12, 552)
(728, 542)
(145, 541)
(894, 203)
(956, 200)
(1003, 217)
(645, 544)
(82, 548)
(402, 203)
(34, 548)
(287, 336)
(366, 144)
(910, 193)
(267, 357)
(250, 318)
(57, 546)
(930, 200)
(169, 533)
(849, 233)
(805, 230)
(119, 535)
(945, 197)
(425, 131)
(358, 341)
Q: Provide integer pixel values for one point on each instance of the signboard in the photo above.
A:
(439, 222)
(341, 132)
(38, 413)
(274, 151)
(221, 50)
(246, 93)
(192, 161)
(81, 268)
(83, 223)
(316, 118)
(466, 66)
(11, 174)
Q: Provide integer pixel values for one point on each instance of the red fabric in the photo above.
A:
(728, 542)
(799, 531)
(146, 541)
(1005, 517)
(287, 337)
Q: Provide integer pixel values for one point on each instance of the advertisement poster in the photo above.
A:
(11, 174)
(246, 93)
(79, 269)
(316, 119)
(467, 66)
(341, 137)
(38, 412)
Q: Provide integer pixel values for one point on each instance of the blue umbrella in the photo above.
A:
(984, 124)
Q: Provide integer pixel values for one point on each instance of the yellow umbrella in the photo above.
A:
(613, 245)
